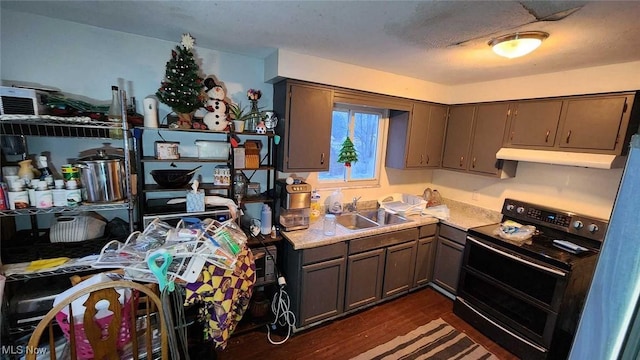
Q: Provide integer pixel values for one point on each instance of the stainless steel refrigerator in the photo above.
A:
(610, 324)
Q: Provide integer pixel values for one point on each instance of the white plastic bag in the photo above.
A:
(335, 202)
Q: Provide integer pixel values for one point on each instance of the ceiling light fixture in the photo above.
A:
(518, 44)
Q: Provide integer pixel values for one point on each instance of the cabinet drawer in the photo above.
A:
(382, 240)
(310, 256)
(427, 230)
(453, 234)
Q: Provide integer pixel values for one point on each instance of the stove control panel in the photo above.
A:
(532, 214)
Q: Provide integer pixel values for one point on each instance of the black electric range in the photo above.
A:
(528, 296)
(551, 224)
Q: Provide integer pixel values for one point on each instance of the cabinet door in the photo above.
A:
(424, 262)
(490, 124)
(418, 129)
(458, 137)
(592, 123)
(365, 272)
(309, 121)
(447, 264)
(435, 135)
(534, 123)
(399, 268)
(322, 292)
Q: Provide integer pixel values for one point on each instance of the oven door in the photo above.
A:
(519, 293)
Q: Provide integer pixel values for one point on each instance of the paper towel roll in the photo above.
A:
(150, 104)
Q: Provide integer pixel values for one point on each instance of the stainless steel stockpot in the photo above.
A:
(102, 177)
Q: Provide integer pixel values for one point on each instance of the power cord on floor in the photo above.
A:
(283, 316)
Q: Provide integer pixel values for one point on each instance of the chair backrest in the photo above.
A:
(122, 331)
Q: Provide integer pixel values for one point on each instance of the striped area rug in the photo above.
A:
(435, 340)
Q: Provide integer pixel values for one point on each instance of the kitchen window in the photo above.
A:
(365, 127)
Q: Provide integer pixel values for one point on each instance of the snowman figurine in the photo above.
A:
(216, 118)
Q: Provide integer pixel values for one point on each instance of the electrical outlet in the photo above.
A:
(474, 196)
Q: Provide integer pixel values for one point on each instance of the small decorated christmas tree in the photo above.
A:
(182, 87)
(348, 153)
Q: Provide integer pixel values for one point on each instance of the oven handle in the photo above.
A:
(536, 346)
(544, 268)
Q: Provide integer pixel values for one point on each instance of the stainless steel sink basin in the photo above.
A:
(369, 219)
(355, 221)
(386, 219)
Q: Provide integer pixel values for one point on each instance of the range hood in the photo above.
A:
(596, 161)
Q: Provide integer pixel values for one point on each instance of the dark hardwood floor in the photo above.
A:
(356, 333)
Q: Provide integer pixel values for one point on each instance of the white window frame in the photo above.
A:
(383, 125)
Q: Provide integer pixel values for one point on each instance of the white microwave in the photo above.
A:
(21, 101)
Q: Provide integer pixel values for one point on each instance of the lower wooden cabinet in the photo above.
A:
(425, 252)
(398, 269)
(315, 281)
(449, 252)
(365, 273)
(322, 290)
(327, 281)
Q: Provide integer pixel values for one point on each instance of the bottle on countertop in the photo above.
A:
(115, 114)
(314, 211)
(45, 173)
(265, 220)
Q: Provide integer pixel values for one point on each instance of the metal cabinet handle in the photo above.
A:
(568, 136)
(427, 159)
(322, 159)
(546, 138)
(461, 160)
(473, 163)
(421, 158)
(512, 133)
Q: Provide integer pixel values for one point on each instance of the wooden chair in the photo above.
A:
(138, 335)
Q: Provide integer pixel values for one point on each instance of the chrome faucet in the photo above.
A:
(354, 203)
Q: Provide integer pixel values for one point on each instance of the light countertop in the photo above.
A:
(462, 216)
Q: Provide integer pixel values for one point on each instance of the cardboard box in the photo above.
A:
(252, 153)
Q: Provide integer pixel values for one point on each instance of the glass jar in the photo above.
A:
(254, 117)
(329, 227)
(240, 185)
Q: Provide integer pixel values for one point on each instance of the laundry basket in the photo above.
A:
(83, 347)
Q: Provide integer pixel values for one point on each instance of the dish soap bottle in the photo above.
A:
(315, 206)
(265, 220)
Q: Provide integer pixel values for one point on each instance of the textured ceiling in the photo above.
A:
(438, 41)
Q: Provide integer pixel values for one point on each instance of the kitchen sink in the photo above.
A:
(355, 221)
(369, 219)
(387, 219)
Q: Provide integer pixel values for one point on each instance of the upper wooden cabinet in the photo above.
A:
(474, 134)
(458, 137)
(416, 137)
(305, 127)
(595, 123)
(589, 123)
(534, 123)
(488, 135)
